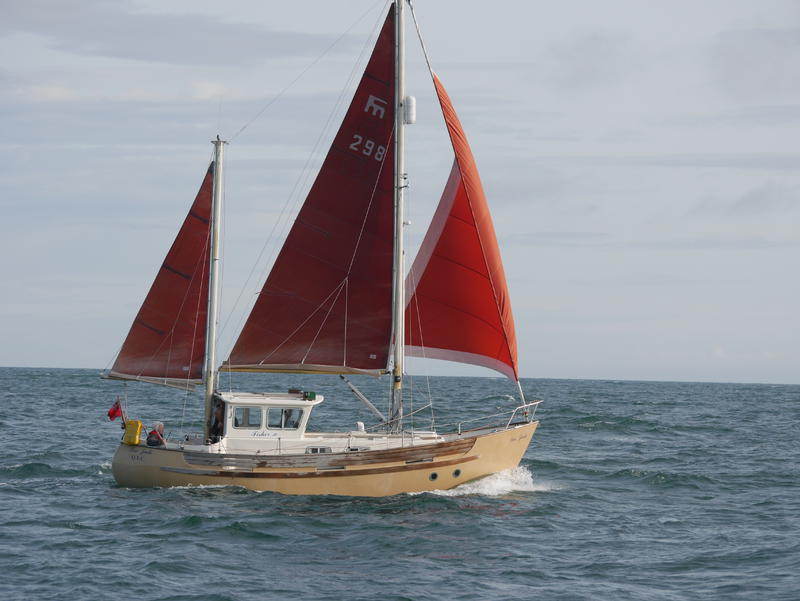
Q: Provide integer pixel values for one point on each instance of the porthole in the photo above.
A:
(433, 476)
(456, 473)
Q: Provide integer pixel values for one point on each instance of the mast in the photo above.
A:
(213, 286)
(398, 304)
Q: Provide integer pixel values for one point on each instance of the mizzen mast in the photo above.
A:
(400, 178)
(213, 286)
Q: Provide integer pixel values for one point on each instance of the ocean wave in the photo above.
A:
(39, 470)
(625, 424)
(664, 478)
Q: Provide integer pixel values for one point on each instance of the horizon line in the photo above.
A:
(498, 376)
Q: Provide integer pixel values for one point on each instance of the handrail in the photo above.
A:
(533, 404)
(513, 412)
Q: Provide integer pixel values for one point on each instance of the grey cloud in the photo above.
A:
(112, 30)
(158, 123)
(757, 62)
(760, 115)
(778, 162)
(557, 239)
(710, 243)
(603, 241)
(767, 199)
(634, 279)
(595, 60)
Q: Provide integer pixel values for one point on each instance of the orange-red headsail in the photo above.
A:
(458, 306)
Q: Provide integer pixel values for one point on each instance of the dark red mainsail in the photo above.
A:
(458, 306)
(326, 304)
(167, 341)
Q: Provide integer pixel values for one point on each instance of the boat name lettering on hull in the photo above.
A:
(138, 455)
(264, 434)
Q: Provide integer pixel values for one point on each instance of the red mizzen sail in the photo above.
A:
(458, 307)
(326, 305)
(167, 341)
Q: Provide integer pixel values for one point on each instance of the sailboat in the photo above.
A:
(337, 301)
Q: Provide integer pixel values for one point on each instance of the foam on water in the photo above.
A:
(204, 487)
(519, 479)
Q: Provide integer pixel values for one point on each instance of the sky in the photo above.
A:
(640, 159)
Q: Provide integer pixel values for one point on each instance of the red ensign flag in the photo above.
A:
(115, 411)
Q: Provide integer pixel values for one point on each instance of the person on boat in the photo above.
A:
(156, 436)
(288, 421)
(216, 427)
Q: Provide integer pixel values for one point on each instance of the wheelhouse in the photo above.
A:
(254, 417)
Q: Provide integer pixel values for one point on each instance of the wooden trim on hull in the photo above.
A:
(333, 460)
(336, 473)
(450, 464)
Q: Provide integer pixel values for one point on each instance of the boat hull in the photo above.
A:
(418, 468)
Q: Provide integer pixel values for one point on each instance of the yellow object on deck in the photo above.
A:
(133, 432)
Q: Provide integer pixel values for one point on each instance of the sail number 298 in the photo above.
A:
(367, 147)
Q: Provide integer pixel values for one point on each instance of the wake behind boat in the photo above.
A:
(337, 301)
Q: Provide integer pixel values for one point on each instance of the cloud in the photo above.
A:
(113, 30)
(759, 115)
(594, 60)
(722, 160)
(717, 243)
(609, 242)
(558, 239)
(757, 63)
(768, 199)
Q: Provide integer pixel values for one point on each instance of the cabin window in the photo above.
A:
(284, 418)
(247, 418)
(317, 450)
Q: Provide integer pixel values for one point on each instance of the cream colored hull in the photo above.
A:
(370, 474)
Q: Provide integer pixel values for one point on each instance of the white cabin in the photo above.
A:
(274, 423)
(266, 422)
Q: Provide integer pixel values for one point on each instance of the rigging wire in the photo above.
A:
(303, 72)
(413, 278)
(194, 340)
(419, 35)
(411, 271)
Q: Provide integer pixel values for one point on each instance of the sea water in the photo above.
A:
(630, 490)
